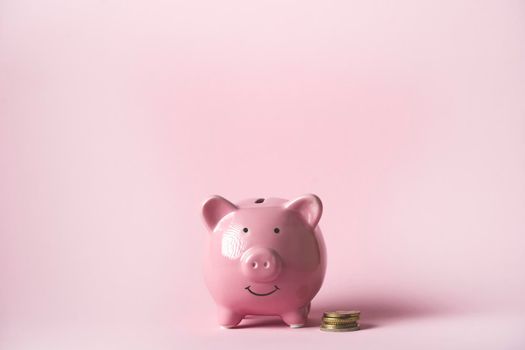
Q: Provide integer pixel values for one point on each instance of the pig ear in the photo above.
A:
(309, 207)
(214, 209)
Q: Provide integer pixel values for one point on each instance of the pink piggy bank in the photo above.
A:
(265, 256)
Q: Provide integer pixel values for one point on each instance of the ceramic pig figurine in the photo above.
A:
(265, 256)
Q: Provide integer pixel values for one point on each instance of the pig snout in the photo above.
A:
(261, 264)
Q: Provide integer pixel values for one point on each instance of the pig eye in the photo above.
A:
(245, 230)
(276, 230)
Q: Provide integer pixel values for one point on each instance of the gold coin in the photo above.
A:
(349, 325)
(348, 313)
(340, 320)
(342, 324)
(342, 314)
(331, 329)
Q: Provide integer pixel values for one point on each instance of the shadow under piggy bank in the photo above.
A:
(375, 312)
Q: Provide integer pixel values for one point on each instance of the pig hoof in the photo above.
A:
(296, 325)
(226, 327)
(227, 318)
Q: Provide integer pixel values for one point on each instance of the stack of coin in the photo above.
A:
(340, 321)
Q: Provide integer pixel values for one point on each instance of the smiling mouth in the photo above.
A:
(262, 294)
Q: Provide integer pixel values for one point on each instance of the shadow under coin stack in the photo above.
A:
(340, 321)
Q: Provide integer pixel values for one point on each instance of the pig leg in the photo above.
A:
(296, 318)
(228, 318)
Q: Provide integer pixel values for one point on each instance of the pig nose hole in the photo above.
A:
(254, 265)
(266, 264)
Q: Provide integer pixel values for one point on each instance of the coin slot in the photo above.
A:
(259, 201)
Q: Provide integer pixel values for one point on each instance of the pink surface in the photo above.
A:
(117, 118)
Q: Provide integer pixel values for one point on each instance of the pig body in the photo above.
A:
(264, 257)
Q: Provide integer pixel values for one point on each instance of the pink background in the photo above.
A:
(117, 118)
